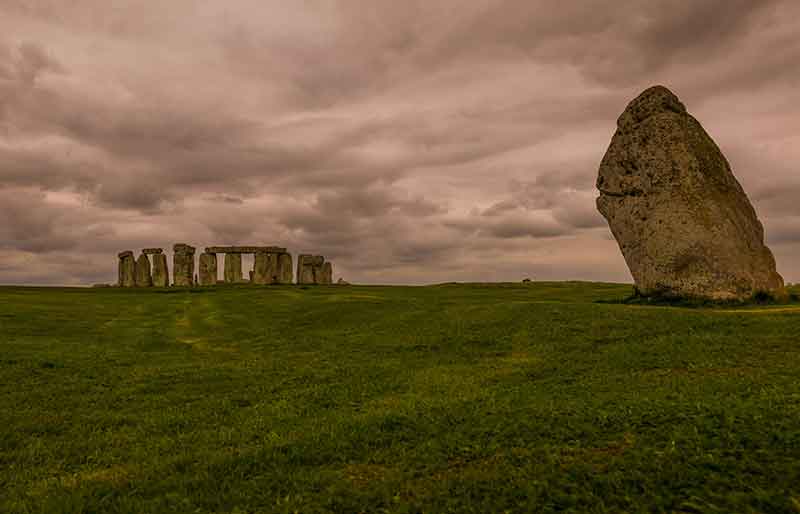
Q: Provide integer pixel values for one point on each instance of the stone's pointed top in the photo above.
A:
(126, 253)
(651, 101)
(152, 251)
(183, 248)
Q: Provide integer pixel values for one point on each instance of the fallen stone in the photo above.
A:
(683, 222)
(153, 251)
(207, 268)
(183, 265)
(127, 270)
(142, 272)
(342, 282)
(160, 270)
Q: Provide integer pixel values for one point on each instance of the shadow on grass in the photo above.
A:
(760, 298)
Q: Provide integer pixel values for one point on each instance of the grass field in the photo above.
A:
(452, 398)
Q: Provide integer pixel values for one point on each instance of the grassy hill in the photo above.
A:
(452, 398)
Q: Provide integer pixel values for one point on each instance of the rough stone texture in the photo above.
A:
(284, 268)
(265, 269)
(245, 249)
(305, 269)
(682, 221)
(207, 268)
(183, 265)
(160, 270)
(327, 274)
(142, 272)
(127, 270)
(233, 268)
(153, 251)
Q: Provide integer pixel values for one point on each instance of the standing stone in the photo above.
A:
(265, 269)
(233, 268)
(144, 277)
(207, 266)
(127, 269)
(183, 265)
(682, 221)
(305, 269)
(327, 274)
(160, 271)
(284, 268)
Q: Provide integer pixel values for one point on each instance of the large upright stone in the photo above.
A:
(160, 270)
(126, 269)
(144, 277)
(305, 269)
(233, 268)
(183, 265)
(326, 277)
(682, 221)
(207, 266)
(284, 268)
(265, 268)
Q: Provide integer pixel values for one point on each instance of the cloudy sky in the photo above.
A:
(410, 142)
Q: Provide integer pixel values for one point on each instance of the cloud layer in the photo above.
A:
(410, 142)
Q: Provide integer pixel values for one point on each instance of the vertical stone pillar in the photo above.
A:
(183, 265)
(327, 274)
(233, 268)
(142, 272)
(208, 269)
(316, 268)
(261, 269)
(305, 269)
(285, 268)
(127, 269)
(160, 270)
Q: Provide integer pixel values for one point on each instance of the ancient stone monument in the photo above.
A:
(272, 265)
(208, 269)
(312, 269)
(183, 265)
(144, 277)
(682, 221)
(127, 269)
(160, 270)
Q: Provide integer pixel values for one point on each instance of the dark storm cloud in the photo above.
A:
(409, 141)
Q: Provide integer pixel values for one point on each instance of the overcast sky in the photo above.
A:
(412, 141)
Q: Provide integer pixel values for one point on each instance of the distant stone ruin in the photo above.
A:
(271, 265)
(312, 269)
(682, 221)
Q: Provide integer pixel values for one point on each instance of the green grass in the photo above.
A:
(452, 398)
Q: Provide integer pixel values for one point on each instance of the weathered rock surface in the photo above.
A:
(327, 274)
(160, 270)
(207, 269)
(142, 272)
(183, 265)
(265, 268)
(126, 270)
(285, 268)
(305, 269)
(682, 221)
(233, 268)
(153, 251)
